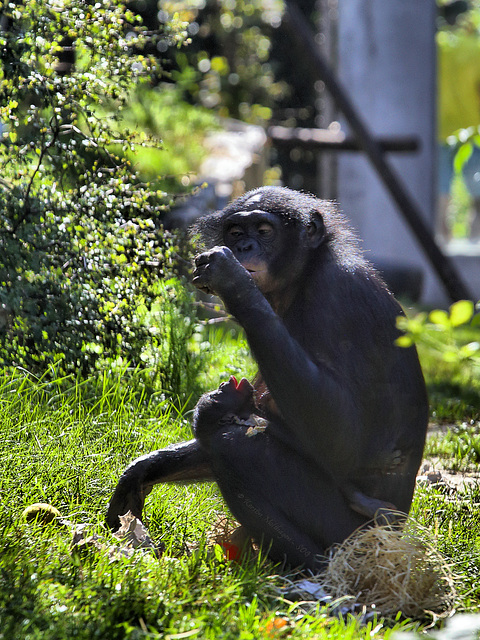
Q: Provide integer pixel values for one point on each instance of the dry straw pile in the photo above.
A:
(385, 569)
(394, 569)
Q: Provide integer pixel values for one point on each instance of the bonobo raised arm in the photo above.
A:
(334, 427)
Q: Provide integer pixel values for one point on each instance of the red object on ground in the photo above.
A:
(232, 552)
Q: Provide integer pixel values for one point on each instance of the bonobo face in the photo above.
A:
(275, 233)
(257, 240)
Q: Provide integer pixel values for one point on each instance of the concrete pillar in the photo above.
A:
(386, 57)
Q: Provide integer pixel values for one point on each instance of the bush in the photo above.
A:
(449, 349)
(181, 126)
(448, 333)
(227, 67)
(81, 238)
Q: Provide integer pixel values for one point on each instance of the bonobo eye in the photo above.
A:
(235, 231)
(265, 229)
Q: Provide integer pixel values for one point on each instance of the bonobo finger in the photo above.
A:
(229, 387)
(217, 253)
(207, 256)
(243, 387)
(202, 258)
(200, 270)
(199, 282)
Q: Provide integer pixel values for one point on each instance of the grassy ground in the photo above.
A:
(453, 387)
(67, 446)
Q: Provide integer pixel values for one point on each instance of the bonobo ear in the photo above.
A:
(315, 229)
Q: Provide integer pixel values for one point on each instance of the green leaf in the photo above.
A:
(461, 312)
(470, 349)
(462, 156)
(218, 552)
(451, 356)
(440, 318)
(404, 341)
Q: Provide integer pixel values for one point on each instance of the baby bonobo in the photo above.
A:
(332, 431)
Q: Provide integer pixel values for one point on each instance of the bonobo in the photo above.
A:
(333, 428)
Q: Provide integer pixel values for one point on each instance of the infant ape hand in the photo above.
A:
(218, 271)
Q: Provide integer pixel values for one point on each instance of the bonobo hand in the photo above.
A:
(217, 271)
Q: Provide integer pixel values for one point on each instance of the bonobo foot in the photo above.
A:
(383, 513)
(232, 398)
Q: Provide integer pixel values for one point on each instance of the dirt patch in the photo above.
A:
(432, 472)
(435, 471)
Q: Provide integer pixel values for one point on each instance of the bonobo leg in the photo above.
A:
(184, 462)
(282, 499)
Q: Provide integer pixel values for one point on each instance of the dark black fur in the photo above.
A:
(345, 408)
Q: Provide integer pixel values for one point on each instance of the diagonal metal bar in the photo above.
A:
(441, 263)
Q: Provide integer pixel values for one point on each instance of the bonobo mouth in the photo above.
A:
(255, 270)
(258, 269)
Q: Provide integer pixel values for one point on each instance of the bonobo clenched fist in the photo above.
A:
(217, 271)
(332, 430)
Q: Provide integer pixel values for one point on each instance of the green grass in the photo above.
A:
(452, 518)
(453, 387)
(458, 448)
(66, 444)
(67, 448)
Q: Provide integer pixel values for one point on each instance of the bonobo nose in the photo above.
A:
(244, 246)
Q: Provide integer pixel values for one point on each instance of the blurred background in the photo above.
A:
(411, 70)
(119, 127)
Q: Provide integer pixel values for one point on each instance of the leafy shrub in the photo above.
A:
(161, 113)
(227, 66)
(442, 331)
(449, 348)
(81, 242)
